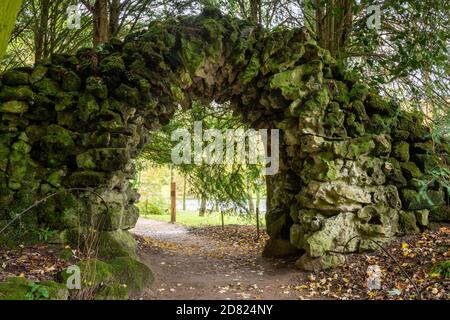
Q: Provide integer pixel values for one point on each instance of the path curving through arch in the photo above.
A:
(190, 265)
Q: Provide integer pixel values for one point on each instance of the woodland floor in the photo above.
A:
(216, 263)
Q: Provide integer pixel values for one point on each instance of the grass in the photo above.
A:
(192, 219)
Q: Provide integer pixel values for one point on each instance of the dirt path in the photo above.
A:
(190, 265)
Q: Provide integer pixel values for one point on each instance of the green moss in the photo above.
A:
(38, 73)
(88, 179)
(377, 104)
(413, 200)
(424, 147)
(87, 105)
(112, 65)
(291, 82)
(410, 170)
(97, 87)
(116, 244)
(440, 213)
(47, 87)
(340, 92)
(394, 173)
(379, 124)
(401, 151)
(353, 148)
(359, 91)
(133, 273)
(354, 128)
(251, 70)
(112, 279)
(357, 107)
(18, 288)
(408, 222)
(192, 54)
(16, 93)
(14, 288)
(15, 78)
(71, 82)
(128, 94)
(14, 107)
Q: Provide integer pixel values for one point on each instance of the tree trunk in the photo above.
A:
(257, 214)
(255, 11)
(184, 193)
(202, 210)
(114, 14)
(251, 205)
(8, 13)
(333, 24)
(269, 185)
(42, 31)
(101, 22)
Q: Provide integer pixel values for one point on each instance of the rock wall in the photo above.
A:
(348, 157)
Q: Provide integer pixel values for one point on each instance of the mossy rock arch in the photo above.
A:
(348, 157)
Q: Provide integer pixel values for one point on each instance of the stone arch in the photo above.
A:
(348, 157)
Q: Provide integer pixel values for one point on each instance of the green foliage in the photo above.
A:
(154, 205)
(37, 292)
(224, 184)
(441, 268)
(44, 234)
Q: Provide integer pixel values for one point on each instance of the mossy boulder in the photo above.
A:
(440, 213)
(15, 78)
(414, 200)
(19, 288)
(408, 222)
(111, 279)
(21, 93)
(116, 243)
(401, 151)
(410, 170)
(14, 107)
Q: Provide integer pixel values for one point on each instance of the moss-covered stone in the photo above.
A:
(408, 222)
(18, 288)
(440, 213)
(71, 82)
(401, 151)
(111, 279)
(112, 65)
(14, 107)
(410, 170)
(117, 243)
(15, 93)
(414, 200)
(15, 78)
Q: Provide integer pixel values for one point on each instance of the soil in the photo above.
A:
(192, 264)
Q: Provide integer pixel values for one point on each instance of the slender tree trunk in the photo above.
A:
(251, 205)
(101, 22)
(184, 193)
(257, 213)
(269, 185)
(202, 210)
(114, 14)
(42, 31)
(333, 24)
(8, 13)
(255, 11)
